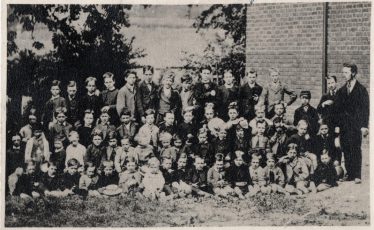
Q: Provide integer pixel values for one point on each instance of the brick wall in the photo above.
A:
(289, 36)
(349, 38)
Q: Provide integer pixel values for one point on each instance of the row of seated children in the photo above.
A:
(291, 174)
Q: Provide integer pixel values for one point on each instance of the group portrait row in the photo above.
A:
(193, 138)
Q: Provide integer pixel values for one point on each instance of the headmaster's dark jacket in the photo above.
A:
(353, 108)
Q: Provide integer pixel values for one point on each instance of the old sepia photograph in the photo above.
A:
(186, 115)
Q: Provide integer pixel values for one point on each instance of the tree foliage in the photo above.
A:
(227, 50)
(88, 40)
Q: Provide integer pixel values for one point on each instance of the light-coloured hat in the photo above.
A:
(215, 124)
(112, 190)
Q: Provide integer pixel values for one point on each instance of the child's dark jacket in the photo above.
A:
(69, 181)
(325, 174)
(238, 174)
(105, 180)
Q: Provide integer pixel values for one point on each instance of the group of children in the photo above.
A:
(163, 141)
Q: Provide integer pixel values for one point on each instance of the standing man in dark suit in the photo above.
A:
(250, 94)
(352, 102)
(326, 107)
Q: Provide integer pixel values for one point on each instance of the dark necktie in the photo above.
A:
(113, 154)
(271, 177)
(349, 87)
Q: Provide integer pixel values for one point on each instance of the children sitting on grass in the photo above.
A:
(211, 141)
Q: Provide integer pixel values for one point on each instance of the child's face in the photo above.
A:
(199, 164)
(109, 83)
(52, 170)
(88, 119)
(74, 140)
(154, 168)
(255, 163)
(17, 141)
(270, 163)
(91, 86)
(61, 117)
(37, 133)
(104, 118)
(72, 91)
(166, 164)
(324, 129)
(32, 120)
(90, 171)
(260, 113)
(209, 114)
(165, 143)
(150, 119)
(131, 79)
(279, 109)
(148, 76)
(125, 144)
(188, 117)
(219, 165)
(222, 134)
(325, 159)
(238, 161)
(233, 114)
(19, 171)
(251, 78)
(292, 153)
(240, 133)
(304, 101)
(186, 85)
(274, 77)
(55, 90)
(182, 163)
(331, 84)
(108, 171)
(169, 119)
(30, 169)
(178, 143)
(73, 169)
(302, 129)
(205, 76)
(261, 128)
(125, 119)
(58, 144)
(167, 82)
(96, 140)
(202, 137)
(113, 142)
(131, 166)
(228, 78)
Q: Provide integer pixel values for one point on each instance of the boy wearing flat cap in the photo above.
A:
(308, 113)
